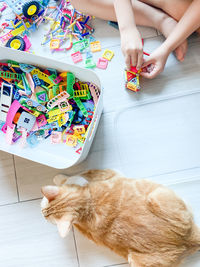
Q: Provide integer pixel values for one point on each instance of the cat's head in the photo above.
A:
(60, 206)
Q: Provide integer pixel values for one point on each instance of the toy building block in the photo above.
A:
(54, 43)
(95, 46)
(26, 68)
(57, 99)
(81, 106)
(94, 92)
(56, 137)
(76, 57)
(89, 63)
(41, 120)
(102, 63)
(26, 121)
(10, 75)
(42, 97)
(88, 54)
(80, 45)
(36, 80)
(108, 54)
(79, 93)
(42, 76)
(132, 80)
(70, 83)
(5, 100)
(71, 140)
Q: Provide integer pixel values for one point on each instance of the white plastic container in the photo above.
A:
(58, 156)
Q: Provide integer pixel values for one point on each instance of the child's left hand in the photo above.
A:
(155, 63)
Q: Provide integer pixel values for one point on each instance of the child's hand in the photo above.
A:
(132, 48)
(155, 63)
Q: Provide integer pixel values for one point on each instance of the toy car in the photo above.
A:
(28, 9)
(24, 10)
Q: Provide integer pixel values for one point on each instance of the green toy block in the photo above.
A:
(56, 90)
(81, 45)
(70, 83)
(89, 63)
(42, 97)
(52, 77)
(81, 106)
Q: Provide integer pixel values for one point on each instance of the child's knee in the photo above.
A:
(80, 5)
(75, 3)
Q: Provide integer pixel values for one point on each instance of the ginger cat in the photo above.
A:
(144, 222)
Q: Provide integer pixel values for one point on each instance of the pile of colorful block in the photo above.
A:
(36, 104)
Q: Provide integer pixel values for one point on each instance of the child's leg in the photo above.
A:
(145, 15)
(175, 8)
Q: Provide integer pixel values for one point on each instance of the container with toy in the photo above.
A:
(49, 110)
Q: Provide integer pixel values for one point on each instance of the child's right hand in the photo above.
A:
(132, 47)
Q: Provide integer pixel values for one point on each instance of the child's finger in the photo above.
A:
(133, 60)
(150, 74)
(147, 62)
(128, 62)
(139, 61)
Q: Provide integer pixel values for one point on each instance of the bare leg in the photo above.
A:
(145, 15)
(174, 8)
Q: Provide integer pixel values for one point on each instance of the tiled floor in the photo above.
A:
(152, 134)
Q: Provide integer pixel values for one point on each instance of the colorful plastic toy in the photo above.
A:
(76, 57)
(95, 46)
(132, 79)
(33, 116)
(5, 100)
(108, 54)
(102, 63)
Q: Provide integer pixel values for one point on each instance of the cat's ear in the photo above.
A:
(50, 191)
(60, 179)
(99, 175)
(63, 226)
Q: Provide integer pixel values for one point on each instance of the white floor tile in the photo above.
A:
(91, 255)
(28, 240)
(8, 189)
(159, 138)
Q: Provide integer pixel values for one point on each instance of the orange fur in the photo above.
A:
(144, 222)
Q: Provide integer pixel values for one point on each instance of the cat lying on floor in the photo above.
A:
(144, 222)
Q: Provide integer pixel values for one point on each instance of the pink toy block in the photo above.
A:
(102, 63)
(77, 57)
(41, 120)
(56, 137)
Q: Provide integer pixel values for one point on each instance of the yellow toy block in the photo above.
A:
(78, 130)
(95, 46)
(54, 112)
(108, 54)
(42, 76)
(71, 140)
(62, 120)
(20, 30)
(50, 94)
(54, 44)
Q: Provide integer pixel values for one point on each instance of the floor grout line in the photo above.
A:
(20, 201)
(75, 244)
(15, 172)
(118, 264)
